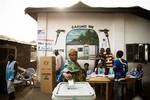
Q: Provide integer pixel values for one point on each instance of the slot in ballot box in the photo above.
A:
(80, 91)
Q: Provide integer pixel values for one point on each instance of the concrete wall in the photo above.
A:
(23, 52)
(136, 29)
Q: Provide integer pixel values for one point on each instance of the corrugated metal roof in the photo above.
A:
(83, 8)
(2, 37)
(6, 38)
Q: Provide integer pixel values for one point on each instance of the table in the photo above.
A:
(131, 82)
(100, 80)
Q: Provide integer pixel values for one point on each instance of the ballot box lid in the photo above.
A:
(80, 89)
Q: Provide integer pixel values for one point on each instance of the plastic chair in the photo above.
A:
(28, 76)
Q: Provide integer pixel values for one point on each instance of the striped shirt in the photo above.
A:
(109, 60)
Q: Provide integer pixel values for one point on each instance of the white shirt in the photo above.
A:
(59, 62)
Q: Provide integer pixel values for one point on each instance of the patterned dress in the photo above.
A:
(76, 71)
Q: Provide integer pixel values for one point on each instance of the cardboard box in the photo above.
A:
(47, 74)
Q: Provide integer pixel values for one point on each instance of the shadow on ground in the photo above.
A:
(34, 93)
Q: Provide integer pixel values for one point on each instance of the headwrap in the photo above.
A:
(72, 50)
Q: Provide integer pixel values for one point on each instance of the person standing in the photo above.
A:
(11, 72)
(59, 63)
(108, 61)
(120, 67)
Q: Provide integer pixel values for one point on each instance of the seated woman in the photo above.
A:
(100, 68)
(100, 63)
(72, 69)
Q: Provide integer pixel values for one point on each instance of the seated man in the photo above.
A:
(87, 71)
(111, 73)
(138, 74)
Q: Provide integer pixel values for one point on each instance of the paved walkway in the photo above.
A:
(28, 93)
(34, 93)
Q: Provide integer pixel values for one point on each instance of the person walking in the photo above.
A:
(11, 72)
(59, 63)
(108, 61)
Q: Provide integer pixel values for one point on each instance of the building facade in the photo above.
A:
(128, 29)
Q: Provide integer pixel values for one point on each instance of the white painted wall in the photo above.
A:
(118, 40)
(124, 28)
(65, 21)
(137, 29)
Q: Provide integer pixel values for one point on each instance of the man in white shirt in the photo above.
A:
(59, 63)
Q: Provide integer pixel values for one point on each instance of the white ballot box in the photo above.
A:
(80, 91)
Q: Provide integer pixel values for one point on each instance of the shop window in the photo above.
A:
(80, 49)
(138, 52)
